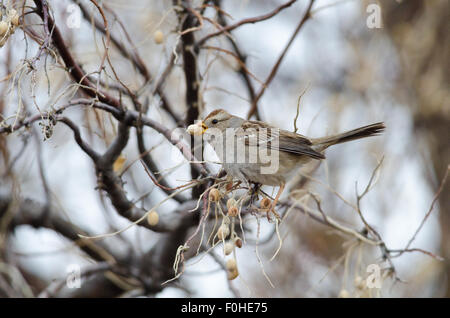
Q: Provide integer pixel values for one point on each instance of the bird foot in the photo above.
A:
(271, 210)
(254, 194)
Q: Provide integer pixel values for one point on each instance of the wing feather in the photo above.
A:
(262, 134)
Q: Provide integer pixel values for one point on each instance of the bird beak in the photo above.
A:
(197, 129)
(204, 127)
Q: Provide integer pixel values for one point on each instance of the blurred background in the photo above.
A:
(355, 62)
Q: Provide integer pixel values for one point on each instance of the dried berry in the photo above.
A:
(233, 274)
(265, 203)
(195, 130)
(232, 271)
(3, 28)
(228, 248)
(153, 218)
(15, 20)
(233, 211)
(214, 195)
(158, 36)
(231, 264)
(230, 203)
(223, 232)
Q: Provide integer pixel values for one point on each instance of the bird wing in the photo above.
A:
(261, 134)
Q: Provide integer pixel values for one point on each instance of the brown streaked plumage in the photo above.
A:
(291, 149)
(213, 113)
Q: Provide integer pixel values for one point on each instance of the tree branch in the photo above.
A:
(274, 70)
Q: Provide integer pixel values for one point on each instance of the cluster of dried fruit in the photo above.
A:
(8, 25)
(226, 233)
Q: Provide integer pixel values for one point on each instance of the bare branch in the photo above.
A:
(246, 21)
(274, 70)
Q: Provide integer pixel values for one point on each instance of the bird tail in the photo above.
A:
(362, 132)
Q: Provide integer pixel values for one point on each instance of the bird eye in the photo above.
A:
(214, 121)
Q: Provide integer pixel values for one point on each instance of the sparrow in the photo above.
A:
(256, 152)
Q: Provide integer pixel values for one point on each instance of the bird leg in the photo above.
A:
(274, 204)
(254, 192)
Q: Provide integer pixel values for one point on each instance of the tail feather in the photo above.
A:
(362, 132)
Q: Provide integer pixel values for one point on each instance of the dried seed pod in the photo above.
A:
(231, 265)
(233, 274)
(158, 36)
(233, 211)
(228, 248)
(238, 242)
(118, 164)
(15, 20)
(223, 232)
(3, 28)
(214, 195)
(153, 218)
(230, 203)
(344, 294)
(359, 282)
(195, 130)
(232, 270)
(265, 203)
